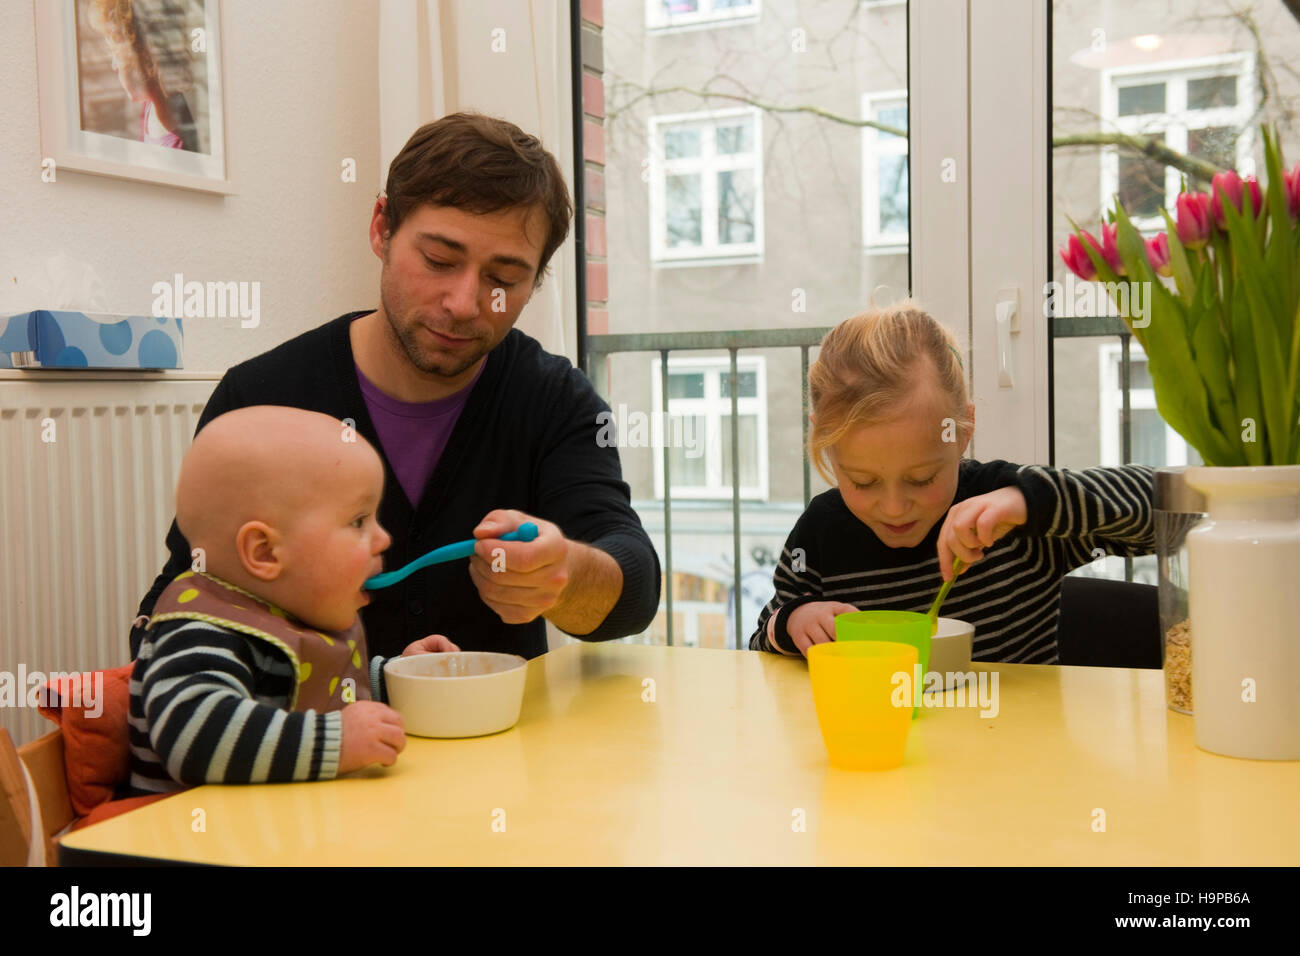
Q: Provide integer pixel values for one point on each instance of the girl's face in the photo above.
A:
(899, 477)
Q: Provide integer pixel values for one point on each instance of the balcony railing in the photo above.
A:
(600, 347)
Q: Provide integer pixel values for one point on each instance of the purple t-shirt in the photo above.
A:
(414, 434)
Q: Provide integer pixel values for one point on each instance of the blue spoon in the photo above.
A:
(461, 549)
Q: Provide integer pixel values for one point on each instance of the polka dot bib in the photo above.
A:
(331, 666)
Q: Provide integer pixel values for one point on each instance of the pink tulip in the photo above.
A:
(1110, 248)
(1194, 222)
(1232, 186)
(1256, 195)
(1291, 184)
(1224, 186)
(1158, 255)
(1076, 258)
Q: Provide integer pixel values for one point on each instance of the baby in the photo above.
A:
(254, 667)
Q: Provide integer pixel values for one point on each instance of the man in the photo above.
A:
(479, 428)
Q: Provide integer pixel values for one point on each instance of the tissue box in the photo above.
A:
(56, 339)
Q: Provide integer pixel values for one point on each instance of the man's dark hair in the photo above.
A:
(480, 164)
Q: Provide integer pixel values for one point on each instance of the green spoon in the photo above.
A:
(933, 613)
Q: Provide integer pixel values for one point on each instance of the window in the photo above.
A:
(1203, 109)
(1154, 442)
(661, 14)
(698, 429)
(884, 173)
(706, 196)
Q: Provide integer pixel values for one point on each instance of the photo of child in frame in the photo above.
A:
(139, 77)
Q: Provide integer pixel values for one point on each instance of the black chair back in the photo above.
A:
(1109, 623)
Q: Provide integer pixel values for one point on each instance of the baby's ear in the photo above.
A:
(255, 544)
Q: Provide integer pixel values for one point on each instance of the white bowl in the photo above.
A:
(950, 648)
(462, 694)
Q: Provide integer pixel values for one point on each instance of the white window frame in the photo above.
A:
(1112, 404)
(708, 165)
(1177, 119)
(873, 240)
(704, 17)
(713, 406)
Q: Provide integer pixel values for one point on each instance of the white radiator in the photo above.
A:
(88, 466)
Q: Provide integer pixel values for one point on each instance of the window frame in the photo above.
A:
(1111, 403)
(706, 17)
(713, 406)
(1176, 121)
(708, 168)
(873, 240)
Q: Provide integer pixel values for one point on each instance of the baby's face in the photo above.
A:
(334, 543)
(899, 477)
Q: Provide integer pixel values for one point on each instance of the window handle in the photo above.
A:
(1008, 322)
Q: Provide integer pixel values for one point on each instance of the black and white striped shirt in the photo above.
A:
(210, 705)
(1012, 595)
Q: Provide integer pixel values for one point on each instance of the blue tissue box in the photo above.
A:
(54, 339)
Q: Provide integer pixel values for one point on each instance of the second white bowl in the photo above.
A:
(950, 648)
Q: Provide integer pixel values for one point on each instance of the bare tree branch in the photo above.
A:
(1148, 146)
(754, 101)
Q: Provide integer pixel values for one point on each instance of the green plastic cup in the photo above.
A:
(900, 627)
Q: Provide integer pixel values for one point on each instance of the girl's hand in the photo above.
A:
(434, 643)
(974, 524)
(814, 623)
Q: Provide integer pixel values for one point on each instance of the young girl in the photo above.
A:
(165, 118)
(890, 417)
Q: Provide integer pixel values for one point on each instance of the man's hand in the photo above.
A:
(433, 644)
(372, 733)
(524, 579)
(974, 524)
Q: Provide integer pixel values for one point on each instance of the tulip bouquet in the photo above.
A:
(1223, 338)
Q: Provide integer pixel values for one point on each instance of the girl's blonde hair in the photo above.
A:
(872, 365)
(117, 22)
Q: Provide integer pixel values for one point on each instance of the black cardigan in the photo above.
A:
(526, 439)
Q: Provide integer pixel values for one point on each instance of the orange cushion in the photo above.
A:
(112, 808)
(96, 745)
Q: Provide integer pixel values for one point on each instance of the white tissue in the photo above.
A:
(64, 285)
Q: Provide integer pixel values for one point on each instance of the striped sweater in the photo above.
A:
(211, 705)
(1012, 595)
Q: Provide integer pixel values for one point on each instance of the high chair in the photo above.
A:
(66, 779)
(35, 809)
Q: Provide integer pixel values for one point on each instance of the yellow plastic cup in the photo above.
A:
(904, 627)
(863, 706)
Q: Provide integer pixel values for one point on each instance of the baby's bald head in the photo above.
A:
(264, 463)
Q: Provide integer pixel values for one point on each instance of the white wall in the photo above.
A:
(302, 91)
(527, 83)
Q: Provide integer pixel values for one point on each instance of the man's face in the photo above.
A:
(453, 282)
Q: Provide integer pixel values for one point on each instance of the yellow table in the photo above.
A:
(652, 755)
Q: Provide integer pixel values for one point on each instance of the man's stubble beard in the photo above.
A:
(406, 337)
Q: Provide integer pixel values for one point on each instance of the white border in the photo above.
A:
(713, 406)
(1109, 356)
(704, 18)
(704, 254)
(72, 148)
(1176, 119)
(873, 240)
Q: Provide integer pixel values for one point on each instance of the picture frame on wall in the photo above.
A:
(134, 89)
